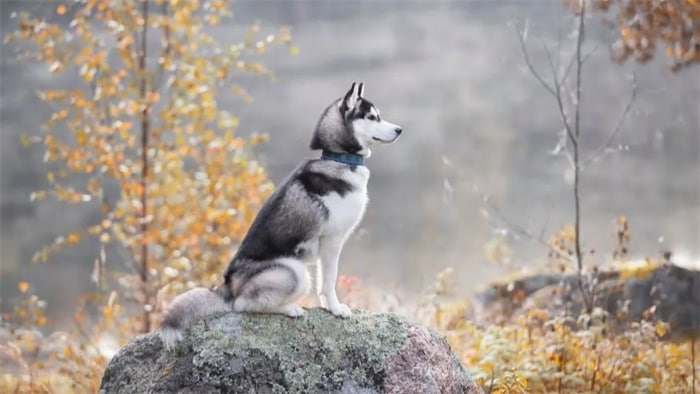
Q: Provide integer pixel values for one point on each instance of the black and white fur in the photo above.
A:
(309, 217)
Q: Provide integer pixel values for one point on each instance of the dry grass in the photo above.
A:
(537, 353)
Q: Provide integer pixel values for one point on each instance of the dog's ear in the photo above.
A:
(350, 99)
(361, 90)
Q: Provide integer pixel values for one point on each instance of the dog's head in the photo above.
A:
(352, 124)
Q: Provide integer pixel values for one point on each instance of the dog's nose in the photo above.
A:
(398, 130)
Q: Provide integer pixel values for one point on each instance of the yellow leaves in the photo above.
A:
(199, 217)
(641, 269)
(87, 73)
(23, 287)
(661, 328)
(60, 115)
(25, 140)
(239, 91)
(81, 138)
(293, 50)
(72, 239)
(227, 121)
(125, 171)
(123, 128)
(52, 95)
(37, 196)
(134, 107)
(108, 312)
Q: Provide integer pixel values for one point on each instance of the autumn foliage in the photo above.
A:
(142, 141)
(645, 26)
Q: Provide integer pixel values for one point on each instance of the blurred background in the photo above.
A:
(479, 142)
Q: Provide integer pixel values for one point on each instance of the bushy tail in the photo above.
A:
(189, 306)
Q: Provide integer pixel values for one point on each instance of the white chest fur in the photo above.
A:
(345, 212)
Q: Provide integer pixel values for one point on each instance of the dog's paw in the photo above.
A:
(340, 310)
(293, 310)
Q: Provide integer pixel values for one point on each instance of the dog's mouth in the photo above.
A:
(385, 141)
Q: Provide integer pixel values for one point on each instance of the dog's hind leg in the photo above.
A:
(275, 290)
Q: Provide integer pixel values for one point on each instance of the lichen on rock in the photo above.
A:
(319, 353)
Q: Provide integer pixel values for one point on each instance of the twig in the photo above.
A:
(529, 63)
(560, 103)
(618, 126)
(516, 228)
(493, 376)
(692, 359)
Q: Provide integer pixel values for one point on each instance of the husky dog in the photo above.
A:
(310, 216)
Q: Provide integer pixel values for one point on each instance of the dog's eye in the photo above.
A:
(372, 117)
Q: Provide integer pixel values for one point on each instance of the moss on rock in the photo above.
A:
(367, 353)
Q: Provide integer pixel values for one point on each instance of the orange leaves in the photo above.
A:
(23, 287)
(123, 128)
(52, 95)
(108, 313)
(645, 24)
(59, 115)
(81, 138)
(72, 239)
(154, 97)
(203, 185)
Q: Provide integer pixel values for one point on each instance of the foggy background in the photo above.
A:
(475, 123)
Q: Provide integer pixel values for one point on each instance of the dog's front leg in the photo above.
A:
(329, 248)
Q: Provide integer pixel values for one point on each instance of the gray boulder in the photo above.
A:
(673, 292)
(319, 353)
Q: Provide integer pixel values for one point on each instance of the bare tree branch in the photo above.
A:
(587, 55)
(560, 103)
(529, 63)
(618, 126)
(520, 230)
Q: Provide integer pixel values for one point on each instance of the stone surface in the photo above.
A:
(234, 353)
(672, 292)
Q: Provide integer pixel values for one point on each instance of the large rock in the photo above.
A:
(234, 353)
(627, 294)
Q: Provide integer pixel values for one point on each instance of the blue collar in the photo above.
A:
(345, 158)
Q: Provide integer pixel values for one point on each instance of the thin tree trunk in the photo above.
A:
(145, 130)
(577, 168)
